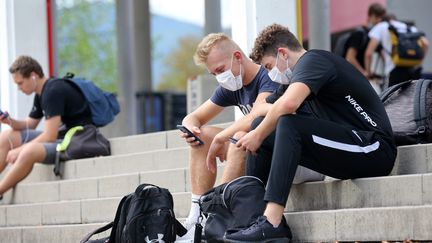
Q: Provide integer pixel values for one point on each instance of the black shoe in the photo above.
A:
(262, 231)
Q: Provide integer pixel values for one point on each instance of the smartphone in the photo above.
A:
(5, 114)
(233, 140)
(190, 134)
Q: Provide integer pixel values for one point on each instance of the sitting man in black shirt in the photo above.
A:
(56, 100)
(350, 136)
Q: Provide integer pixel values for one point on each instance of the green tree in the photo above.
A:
(87, 41)
(180, 65)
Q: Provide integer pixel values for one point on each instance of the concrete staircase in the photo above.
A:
(46, 209)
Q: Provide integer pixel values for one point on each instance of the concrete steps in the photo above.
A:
(112, 165)
(44, 208)
(364, 224)
(74, 211)
(327, 195)
(43, 234)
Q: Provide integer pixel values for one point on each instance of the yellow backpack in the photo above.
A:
(407, 48)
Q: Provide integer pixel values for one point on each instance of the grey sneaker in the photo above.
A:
(262, 231)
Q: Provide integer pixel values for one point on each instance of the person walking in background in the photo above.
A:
(358, 40)
(380, 35)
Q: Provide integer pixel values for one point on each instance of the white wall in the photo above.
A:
(252, 16)
(249, 17)
(23, 31)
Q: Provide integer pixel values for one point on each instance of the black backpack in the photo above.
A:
(409, 108)
(143, 216)
(340, 48)
(232, 206)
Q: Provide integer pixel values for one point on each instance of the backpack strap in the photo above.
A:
(112, 225)
(180, 229)
(388, 92)
(112, 237)
(420, 113)
(97, 231)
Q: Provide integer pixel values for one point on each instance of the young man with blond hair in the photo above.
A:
(241, 83)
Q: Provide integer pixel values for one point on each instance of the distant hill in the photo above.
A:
(165, 32)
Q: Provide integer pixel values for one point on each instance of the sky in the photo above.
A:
(191, 11)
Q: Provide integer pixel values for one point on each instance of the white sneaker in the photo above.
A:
(190, 235)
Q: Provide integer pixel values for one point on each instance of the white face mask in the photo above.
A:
(277, 76)
(228, 81)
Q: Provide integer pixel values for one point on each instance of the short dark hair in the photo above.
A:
(270, 39)
(377, 9)
(25, 65)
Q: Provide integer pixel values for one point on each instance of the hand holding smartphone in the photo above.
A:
(189, 133)
(4, 114)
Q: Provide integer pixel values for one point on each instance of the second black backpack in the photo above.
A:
(232, 206)
(143, 216)
(409, 108)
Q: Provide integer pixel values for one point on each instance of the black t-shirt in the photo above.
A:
(341, 93)
(358, 40)
(307, 108)
(61, 98)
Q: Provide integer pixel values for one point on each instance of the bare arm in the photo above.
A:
(48, 135)
(29, 123)
(372, 45)
(425, 45)
(50, 131)
(287, 104)
(203, 114)
(351, 58)
(290, 101)
(244, 123)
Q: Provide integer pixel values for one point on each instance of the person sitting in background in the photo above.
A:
(59, 102)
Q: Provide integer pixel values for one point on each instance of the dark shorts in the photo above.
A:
(50, 148)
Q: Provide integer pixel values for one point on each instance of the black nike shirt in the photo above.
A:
(342, 93)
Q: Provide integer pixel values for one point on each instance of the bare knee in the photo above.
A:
(9, 139)
(32, 153)
(207, 135)
(209, 132)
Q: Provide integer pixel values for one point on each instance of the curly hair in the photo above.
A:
(25, 65)
(270, 39)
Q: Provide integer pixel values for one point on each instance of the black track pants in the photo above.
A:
(323, 146)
